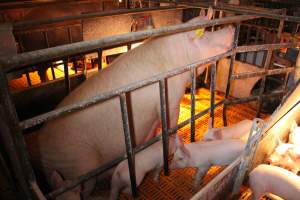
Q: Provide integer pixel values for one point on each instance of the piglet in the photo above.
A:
(275, 180)
(57, 181)
(203, 155)
(294, 136)
(239, 130)
(145, 161)
(286, 156)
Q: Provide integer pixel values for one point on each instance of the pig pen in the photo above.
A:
(212, 189)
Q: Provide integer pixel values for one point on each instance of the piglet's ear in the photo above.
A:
(185, 151)
(277, 141)
(178, 141)
(293, 126)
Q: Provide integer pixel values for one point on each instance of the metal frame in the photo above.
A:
(19, 61)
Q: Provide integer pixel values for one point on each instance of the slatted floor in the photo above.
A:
(179, 184)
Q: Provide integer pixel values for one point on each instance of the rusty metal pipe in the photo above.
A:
(165, 135)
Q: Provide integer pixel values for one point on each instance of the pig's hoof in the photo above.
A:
(156, 179)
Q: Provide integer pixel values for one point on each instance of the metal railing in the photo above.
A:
(20, 61)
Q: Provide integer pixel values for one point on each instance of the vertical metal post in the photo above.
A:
(281, 25)
(193, 101)
(15, 141)
(28, 78)
(212, 93)
(70, 35)
(46, 38)
(164, 121)
(256, 40)
(99, 51)
(53, 72)
(128, 47)
(67, 78)
(129, 149)
(248, 153)
(236, 37)
(263, 82)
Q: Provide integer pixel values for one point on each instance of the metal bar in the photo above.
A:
(70, 35)
(46, 38)
(248, 153)
(53, 72)
(56, 53)
(107, 95)
(14, 139)
(193, 101)
(165, 136)
(28, 78)
(255, 53)
(99, 51)
(280, 29)
(261, 73)
(260, 47)
(67, 77)
(243, 11)
(129, 148)
(212, 93)
(232, 59)
(253, 98)
(30, 23)
(263, 82)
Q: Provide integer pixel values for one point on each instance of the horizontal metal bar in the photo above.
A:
(15, 62)
(30, 23)
(244, 10)
(28, 4)
(107, 95)
(261, 73)
(252, 98)
(261, 47)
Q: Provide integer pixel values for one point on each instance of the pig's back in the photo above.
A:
(223, 152)
(275, 180)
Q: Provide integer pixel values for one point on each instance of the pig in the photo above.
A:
(145, 161)
(285, 156)
(294, 136)
(240, 130)
(204, 154)
(57, 181)
(272, 179)
(79, 142)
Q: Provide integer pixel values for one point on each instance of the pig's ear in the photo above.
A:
(178, 141)
(218, 134)
(202, 13)
(210, 13)
(278, 141)
(185, 151)
(293, 126)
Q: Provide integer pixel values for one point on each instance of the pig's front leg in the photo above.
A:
(199, 175)
(156, 174)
